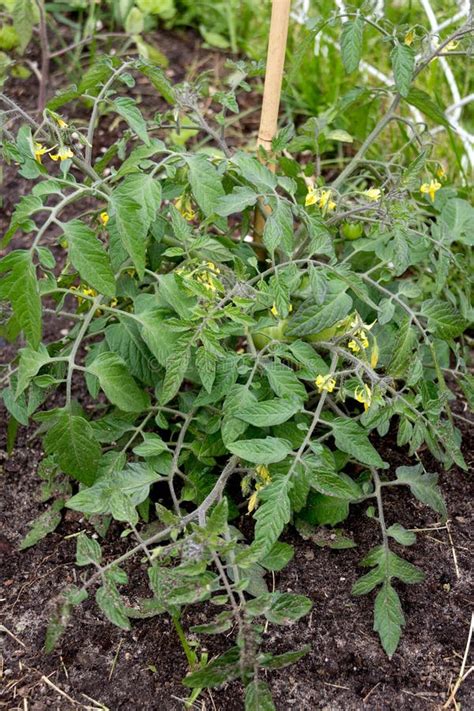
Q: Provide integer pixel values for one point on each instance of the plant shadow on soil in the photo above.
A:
(97, 664)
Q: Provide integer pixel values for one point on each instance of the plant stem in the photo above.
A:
(190, 655)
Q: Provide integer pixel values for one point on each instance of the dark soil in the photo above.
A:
(99, 666)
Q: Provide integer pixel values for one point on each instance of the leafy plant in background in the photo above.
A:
(230, 379)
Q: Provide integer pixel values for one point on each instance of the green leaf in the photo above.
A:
(325, 510)
(279, 661)
(158, 79)
(258, 696)
(88, 256)
(403, 65)
(312, 318)
(31, 361)
(351, 438)
(88, 550)
(402, 351)
(117, 383)
(128, 109)
(401, 535)
(335, 484)
(224, 668)
(261, 451)
(25, 16)
(388, 618)
(278, 230)
(269, 412)
(206, 366)
(351, 43)
(443, 320)
(278, 556)
(284, 382)
(236, 201)
(151, 446)
(424, 486)
(72, 440)
(45, 523)
(424, 103)
(273, 514)
(135, 203)
(205, 183)
(287, 608)
(26, 300)
(110, 602)
(176, 367)
(368, 582)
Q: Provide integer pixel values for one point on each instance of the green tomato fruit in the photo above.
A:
(271, 333)
(352, 230)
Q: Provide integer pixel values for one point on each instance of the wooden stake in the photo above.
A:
(272, 88)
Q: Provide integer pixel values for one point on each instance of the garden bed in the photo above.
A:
(346, 668)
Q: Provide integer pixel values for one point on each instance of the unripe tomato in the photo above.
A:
(352, 230)
(270, 333)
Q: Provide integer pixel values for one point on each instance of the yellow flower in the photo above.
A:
(274, 311)
(263, 473)
(373, 194)
(409, 37)
(113, 303)
(360, 340)
(440, 172)
(83, 291)
(39, 151)
(451, 46)
(331, 205)
(183, 205)
(311, 197)
(325, 382)
(252, 503)
(63, 154)
(374, 356)
(363, 394)
(61, 123)
(324, 199)
(431, 188)
(104, 218)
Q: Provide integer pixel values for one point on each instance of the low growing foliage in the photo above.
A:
(227, 379)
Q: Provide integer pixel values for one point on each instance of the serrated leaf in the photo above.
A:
(424, 486)
(279, 661)
(128, 109)
(312, 318)
(205, 183)
(350, 437)
(443, 320)
(273, 514)
(278, 556)
(206, 366)
(159, 80)
(135, 203)
(151, 446)
(176, 367)
(388, 618)
(25, 16)
(72, 440)
(88, 550)
(288, 607)
(117, 383)
(403, 65)
(258, 696)
(25, 300)
(45, 523)
(31, 361)
(278, 230)
(424, 103)
(261, 451)
(224, 668)
(335, 484)
(88, 256)
(351, 43)
(269, 412)
(240, 198)
(110, 602)
(401, 535)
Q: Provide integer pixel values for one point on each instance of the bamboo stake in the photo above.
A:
(272, 89)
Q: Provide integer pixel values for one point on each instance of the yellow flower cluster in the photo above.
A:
(431, 188)
(325, 382)
(203, 275)
(264, 478)
(363, 394)
(184, 207)
(63, 152)
(373, 194)
(85, 291)
(104, 218)
(321, 198)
